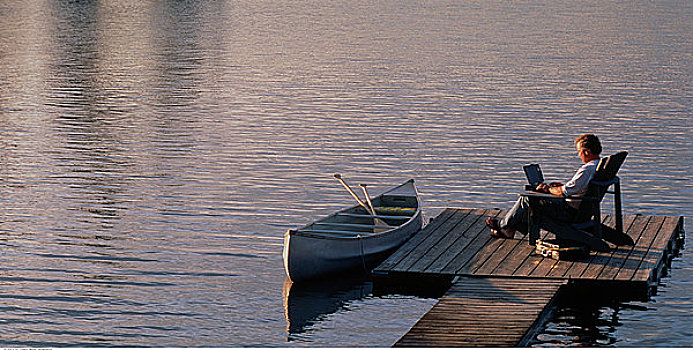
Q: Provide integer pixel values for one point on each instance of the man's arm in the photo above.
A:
(555, 189)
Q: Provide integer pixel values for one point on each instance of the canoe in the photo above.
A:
(352, 238)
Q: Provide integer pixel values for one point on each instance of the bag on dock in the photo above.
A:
(562, 249)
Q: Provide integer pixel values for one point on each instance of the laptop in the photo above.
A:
(534, 176)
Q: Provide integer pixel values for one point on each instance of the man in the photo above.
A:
(588, 148)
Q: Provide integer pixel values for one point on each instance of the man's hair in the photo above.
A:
(590, 142)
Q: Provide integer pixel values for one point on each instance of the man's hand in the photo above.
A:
(555, 188)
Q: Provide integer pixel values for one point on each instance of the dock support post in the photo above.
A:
(617, 206)
(532, 228)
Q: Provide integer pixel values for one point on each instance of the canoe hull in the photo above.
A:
(310, 255)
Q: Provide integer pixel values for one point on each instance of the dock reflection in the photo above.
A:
(308, 303)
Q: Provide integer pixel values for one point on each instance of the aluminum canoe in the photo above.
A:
(353, 238)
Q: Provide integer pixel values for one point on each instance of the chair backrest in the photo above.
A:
(608, 166)
(606, 171)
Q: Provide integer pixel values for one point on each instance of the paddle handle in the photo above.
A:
(368, 198)
(339, 178)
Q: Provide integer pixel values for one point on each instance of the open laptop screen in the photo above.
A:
(533, 173)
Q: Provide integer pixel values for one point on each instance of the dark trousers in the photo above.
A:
(556, 209)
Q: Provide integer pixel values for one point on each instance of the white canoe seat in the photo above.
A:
(356, 226)
(389, 211)
(333, 233)
(368, 216)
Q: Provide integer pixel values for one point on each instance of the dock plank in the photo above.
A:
(512, 306)
(640, 249)
(406, 249)
(423, 250)
(471, 253)
(461, 245)
(598, 260)
(629, 256)
(488, 252)
(608, 265)
(653, 256)
(544, 267)
(532, 260)
(443, 244)
(515, 257)
(505, 249)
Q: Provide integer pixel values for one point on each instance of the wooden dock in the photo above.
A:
(457, 244)
(486, 312)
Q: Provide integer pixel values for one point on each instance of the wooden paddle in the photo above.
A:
(339, 178)
(370, 209)
(376, 221)
(368, 198)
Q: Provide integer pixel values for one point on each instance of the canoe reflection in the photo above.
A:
(308, 303)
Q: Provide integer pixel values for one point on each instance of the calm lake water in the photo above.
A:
(154, 152)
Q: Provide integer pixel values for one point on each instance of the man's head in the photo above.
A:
(588, 147)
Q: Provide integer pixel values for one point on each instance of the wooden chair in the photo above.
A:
(587, 227)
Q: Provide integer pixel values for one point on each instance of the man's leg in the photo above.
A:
(555, 209)
(517, 216)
